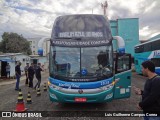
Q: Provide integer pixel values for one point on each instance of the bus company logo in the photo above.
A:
(69, 85)
(80, 91)
(6, 114)
(157, 53)
(80, 34)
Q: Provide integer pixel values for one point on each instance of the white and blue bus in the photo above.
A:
(149, 50)
(82, 65)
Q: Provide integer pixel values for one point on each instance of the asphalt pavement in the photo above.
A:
(43, 104)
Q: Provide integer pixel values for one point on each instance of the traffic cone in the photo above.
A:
(20, 96)
(38, 92)
(20, 104)
(45, 88)
(29, 101)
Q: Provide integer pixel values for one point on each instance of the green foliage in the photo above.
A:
(14, 43)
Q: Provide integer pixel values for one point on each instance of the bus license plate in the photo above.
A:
(80, 99)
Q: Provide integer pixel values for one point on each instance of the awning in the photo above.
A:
(7, 60)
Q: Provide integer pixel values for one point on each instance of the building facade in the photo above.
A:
(128, 29)
(35, 58)
(34, 46)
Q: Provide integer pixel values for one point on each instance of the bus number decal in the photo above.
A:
(104, 83)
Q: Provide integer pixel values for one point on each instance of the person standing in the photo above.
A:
(102, 59)
(150, 95)
(8, 67)
(31, 75)
(18, 75)
(26, 72)
(38, 75)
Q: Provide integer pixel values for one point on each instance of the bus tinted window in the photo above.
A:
(156, 45)
(151, 46)
(123, 64)
(139, 49)
(148, 47)
(84, 26)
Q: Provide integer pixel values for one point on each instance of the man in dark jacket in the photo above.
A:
(18, 75)
(38, 75)
(150, 95)
(31, 75)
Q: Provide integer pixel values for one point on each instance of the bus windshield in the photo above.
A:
(86, 63)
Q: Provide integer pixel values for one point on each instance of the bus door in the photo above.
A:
(122, 88)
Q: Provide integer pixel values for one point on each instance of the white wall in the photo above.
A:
(17, 57)
(12, 65)
(34, 45)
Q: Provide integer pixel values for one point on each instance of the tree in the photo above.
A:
(14, 43)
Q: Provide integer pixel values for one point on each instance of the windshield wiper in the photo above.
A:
(72, 38)
(76, 38)
(62, 38)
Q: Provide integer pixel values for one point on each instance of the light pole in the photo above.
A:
(104, 7)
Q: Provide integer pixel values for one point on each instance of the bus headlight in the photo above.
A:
(108, 87)
(53, 96)
(109, 96)
(49, 83)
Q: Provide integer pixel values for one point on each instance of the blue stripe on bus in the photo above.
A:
(80, 85)
(157, 70)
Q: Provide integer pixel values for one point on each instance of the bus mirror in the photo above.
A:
(40, 51)
(121, 44)
(121, 51)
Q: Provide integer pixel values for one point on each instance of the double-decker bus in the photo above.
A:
(149, 50)
(82, 65)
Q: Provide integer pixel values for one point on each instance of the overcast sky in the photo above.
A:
(34, 18)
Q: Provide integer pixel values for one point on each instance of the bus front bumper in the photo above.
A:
(57, 96)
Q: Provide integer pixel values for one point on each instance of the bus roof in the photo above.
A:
(147, 42)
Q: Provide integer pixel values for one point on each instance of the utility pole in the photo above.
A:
(104, 7)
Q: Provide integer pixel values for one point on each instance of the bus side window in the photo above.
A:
(123, 63)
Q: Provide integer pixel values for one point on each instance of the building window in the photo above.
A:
(30, 42)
